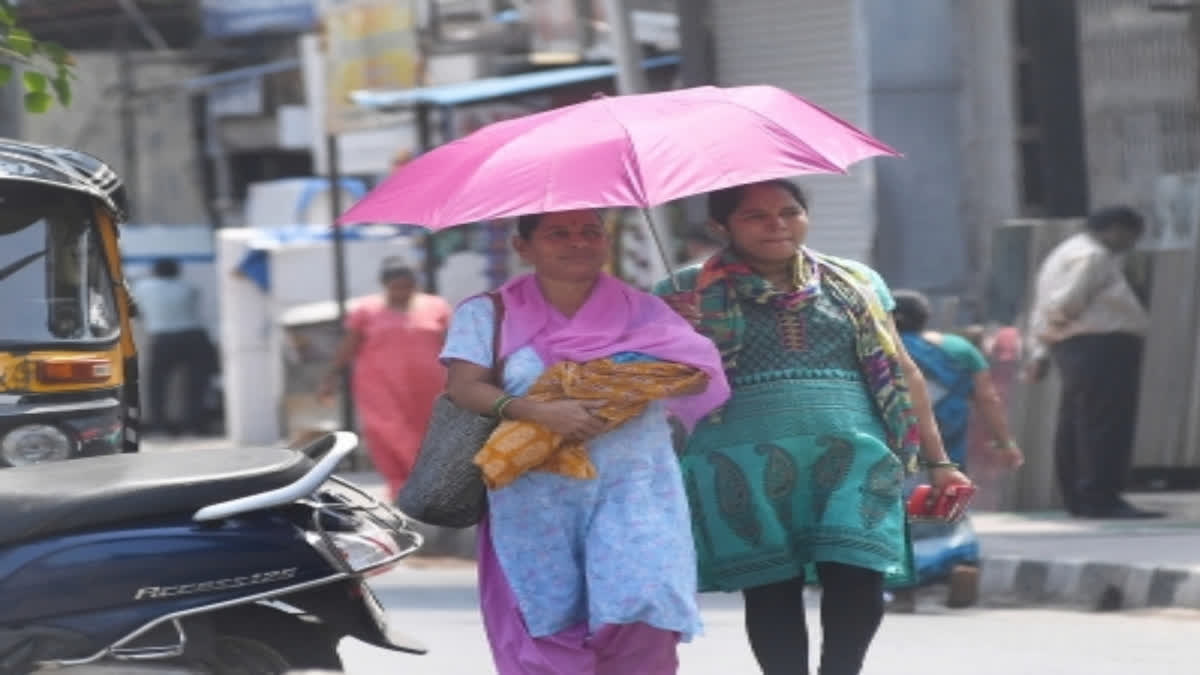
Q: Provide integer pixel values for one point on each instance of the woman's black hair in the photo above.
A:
(722, 203)
(394, 268)
(526, 224)
(1116, 216)
(912, 311)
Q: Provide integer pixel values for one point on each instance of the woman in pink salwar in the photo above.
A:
(393, 341)
(583, 576)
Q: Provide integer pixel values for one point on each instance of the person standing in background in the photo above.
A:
(1089, 322)
(393, 340)
(957, 377)
(170, 310)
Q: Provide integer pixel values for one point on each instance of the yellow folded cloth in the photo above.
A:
(626, 388)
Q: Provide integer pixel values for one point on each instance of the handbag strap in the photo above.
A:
(498, 316)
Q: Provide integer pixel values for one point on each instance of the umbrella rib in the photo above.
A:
(633, 156)
(827, 162)
(462, 185)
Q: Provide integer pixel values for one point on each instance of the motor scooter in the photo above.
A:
(225, 561)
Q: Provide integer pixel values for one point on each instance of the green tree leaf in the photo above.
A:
(35, 82)
(37, 101)
(55, 52)
(46, 68)
(62, 89)
(20, 41)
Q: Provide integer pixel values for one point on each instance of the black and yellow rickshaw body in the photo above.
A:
(68, 362)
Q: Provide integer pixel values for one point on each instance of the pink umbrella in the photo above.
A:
(637, 151)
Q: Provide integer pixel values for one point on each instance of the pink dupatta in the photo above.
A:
(615, 318)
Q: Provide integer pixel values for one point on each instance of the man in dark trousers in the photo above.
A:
(1088, 321)
(170, 308)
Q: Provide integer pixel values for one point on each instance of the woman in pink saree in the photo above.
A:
(393, 341)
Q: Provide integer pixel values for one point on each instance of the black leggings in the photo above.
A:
(851, 610)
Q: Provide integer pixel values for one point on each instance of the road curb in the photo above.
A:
(1088, 584)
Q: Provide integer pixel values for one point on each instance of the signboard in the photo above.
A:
(369, 44)
(231, 18)
(371, 151)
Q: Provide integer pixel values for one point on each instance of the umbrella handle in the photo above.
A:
(662, 250)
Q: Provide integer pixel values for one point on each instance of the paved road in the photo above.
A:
(439, 606)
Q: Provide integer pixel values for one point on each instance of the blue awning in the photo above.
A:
(491, 88)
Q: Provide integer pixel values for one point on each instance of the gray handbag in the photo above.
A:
(445, 487)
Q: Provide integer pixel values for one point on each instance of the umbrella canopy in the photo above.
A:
(637, 151)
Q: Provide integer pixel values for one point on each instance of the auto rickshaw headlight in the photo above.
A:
(35, 444)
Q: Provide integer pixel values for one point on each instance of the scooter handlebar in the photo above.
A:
(344, 443)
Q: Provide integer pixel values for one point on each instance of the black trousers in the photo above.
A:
(192, 351)
(1094, 439)
(851, 611)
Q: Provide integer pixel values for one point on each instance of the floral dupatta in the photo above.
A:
(724, 281)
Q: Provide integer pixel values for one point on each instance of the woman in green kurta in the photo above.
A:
(801, 471)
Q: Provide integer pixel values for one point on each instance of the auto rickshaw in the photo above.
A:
(68, 365)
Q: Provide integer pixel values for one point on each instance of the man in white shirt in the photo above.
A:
(170, 309)
(1088, 321)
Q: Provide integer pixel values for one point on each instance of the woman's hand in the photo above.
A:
(943, 477)
(686, 305)
(572, 419)
(1009, 455)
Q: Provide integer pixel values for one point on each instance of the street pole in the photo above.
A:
(424, 145)
(695, 70)
(339, 268)
(626, 53)
(695, 48)
(128, 87)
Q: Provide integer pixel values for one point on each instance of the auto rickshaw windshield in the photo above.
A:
(53, 275)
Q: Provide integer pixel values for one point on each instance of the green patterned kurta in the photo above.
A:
(797, 470)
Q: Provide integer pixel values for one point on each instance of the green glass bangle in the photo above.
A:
(504, 407)
(498, 406)
(939, 465)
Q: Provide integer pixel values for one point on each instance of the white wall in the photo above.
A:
(251, 336)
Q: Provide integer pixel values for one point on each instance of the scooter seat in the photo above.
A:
(46, 499)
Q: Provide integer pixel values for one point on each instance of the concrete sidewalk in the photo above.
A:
(1050, 558)
(1041, 558)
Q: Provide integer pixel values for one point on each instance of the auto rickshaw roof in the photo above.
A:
(62, 167)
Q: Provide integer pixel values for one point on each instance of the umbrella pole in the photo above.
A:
(662, 249)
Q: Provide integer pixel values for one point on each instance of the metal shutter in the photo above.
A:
(813, 48)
